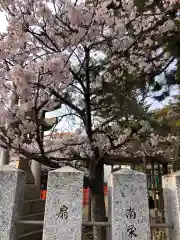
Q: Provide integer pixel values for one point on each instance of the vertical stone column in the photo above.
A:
(63, 211)
(171, 191)
(36, 171)
(24, 165)
(4, 157)
(128, 206)
(31, 190)
(12, 182)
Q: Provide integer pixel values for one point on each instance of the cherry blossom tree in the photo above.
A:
(168, 118)
(89, 58)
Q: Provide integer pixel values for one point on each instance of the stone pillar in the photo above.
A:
(128, 206)
(4, 157)
(31, 190)
(24, 165)
(36, 171)
(63, 211)
(12, 182)
(171, 191)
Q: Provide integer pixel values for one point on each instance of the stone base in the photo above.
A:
(31, 192)
(34, 235)
(24, 165)
(33, 207)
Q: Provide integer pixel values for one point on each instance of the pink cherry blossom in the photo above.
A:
(71, 57)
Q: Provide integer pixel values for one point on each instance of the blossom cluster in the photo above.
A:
(60, 53)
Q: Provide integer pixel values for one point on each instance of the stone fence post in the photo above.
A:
(128, 206)
(12, 183)
(63, 211)
(171, 191)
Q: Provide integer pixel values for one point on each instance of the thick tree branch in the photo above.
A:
(63, 100)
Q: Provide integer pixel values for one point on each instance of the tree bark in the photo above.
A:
(98, 209)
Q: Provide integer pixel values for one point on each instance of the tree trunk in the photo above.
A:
(98, 209)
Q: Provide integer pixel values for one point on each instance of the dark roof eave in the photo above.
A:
(120, 160)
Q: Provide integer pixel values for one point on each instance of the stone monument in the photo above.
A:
(63, 211)
(12, 183)
(171, 191)
(128, 206)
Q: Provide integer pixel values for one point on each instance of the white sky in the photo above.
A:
(3, 22)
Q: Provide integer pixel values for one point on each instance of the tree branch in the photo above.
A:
(63, 100)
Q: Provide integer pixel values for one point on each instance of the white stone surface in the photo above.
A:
(64, 192)
(12, 183)
(171, 191)
(36, 171)
(128, 206)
